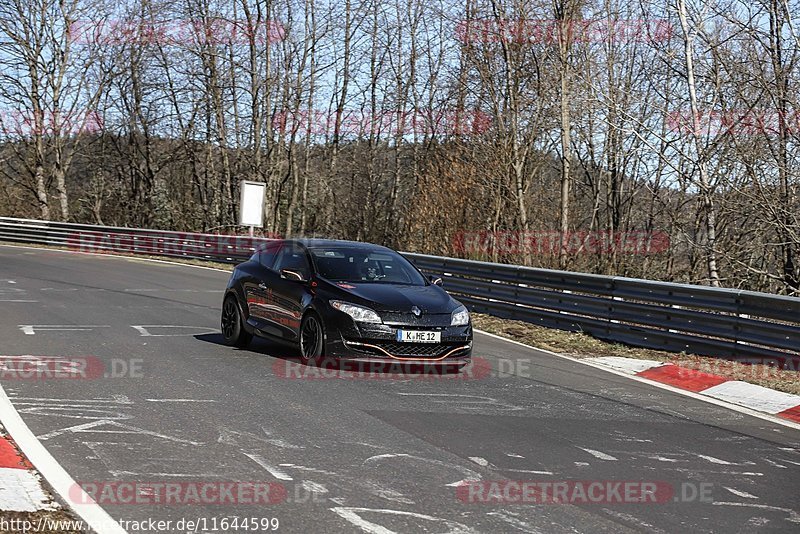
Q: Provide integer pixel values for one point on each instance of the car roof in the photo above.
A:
(315, 242)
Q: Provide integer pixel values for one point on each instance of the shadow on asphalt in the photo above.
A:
(258, 345)
(291, 355)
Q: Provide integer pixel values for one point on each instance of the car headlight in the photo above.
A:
(460, 317)
(358, 313)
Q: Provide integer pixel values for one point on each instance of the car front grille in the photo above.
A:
(440, 320)
(408, 350)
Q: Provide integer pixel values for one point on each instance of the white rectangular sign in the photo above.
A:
(251, 205)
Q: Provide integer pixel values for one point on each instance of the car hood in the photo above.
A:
(399, 298)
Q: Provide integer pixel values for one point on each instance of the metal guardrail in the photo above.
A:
(112, 239)
(726, 323)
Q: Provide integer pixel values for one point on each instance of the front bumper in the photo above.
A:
(376, 343)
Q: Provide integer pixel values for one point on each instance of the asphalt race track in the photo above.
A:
(362, 454)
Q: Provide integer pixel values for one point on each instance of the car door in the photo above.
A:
(258, 289)
(290, 296)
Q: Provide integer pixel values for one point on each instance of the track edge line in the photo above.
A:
(56, 476)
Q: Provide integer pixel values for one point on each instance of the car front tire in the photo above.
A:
(312, 339)
(232, 324)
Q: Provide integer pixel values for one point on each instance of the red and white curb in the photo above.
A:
(759, 398)
(20, 486)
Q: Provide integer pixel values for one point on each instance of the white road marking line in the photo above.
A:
(718, 461)
(619, 436)
(599, 455)
(740, 493)
(581, 464)
(532, 471)
(30, 329)
(18, 300)
(116, 399)
(513, 455)
(274, 471)
(794, 517)
(463, 470)
(363, 444)
(231, 437)
(70, 405)
(313, 487)
(310, 469)
(388, 455)
(92, 413)
(384, 493)
(145, 332)
(53, 472)
(458, 483)
(663, 459)
(120, 428)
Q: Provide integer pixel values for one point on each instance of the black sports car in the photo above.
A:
(345, 300)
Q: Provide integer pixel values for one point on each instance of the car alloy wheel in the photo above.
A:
(233, 332)
(311, 339)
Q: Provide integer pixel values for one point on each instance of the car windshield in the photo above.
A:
(357, 264)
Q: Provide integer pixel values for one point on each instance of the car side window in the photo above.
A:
(294, 259)
(268, 254)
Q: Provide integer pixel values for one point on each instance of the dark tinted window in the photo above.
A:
(355, 264)
(268, 254)
(294, 259)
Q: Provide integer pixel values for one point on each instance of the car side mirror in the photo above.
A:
(294, 276)
(435, 280)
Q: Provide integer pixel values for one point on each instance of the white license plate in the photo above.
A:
(418, 336)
